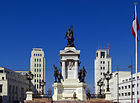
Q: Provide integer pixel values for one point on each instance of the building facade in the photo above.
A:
(13, 86)
(123, 87)
(37, 67)
(102, 64)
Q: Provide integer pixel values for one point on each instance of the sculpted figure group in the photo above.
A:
(57, 74)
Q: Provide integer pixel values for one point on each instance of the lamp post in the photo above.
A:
(117, 85)
(108, 76)
(42, 84)
(29, 76)
(49, 93)
(100, 84)
(131, 80)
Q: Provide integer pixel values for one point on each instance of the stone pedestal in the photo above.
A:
(29, 95)
(70, 88)
(108, 96)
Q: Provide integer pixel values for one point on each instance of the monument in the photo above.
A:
(70, 84)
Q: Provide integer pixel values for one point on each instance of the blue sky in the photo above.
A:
(26, 24)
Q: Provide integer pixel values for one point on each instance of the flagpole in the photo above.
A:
(136, 53)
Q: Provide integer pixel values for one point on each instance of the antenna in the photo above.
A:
(108, 49)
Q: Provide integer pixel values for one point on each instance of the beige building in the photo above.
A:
(13, 86)
(37, 67)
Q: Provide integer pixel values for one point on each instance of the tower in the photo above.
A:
(102, 64)
(37, 67)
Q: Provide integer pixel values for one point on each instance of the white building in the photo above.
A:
(37, 67)
(13, 86)
(123, 87)
(102, 63)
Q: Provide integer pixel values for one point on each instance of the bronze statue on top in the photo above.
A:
(70, 38)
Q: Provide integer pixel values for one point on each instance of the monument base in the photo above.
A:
(108, 96)
(70, 89)
(29, 95)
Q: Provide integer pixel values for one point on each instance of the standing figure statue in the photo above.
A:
(83, 74)
(70, 38)
(55, 73)
(79, 75)
(59, 76)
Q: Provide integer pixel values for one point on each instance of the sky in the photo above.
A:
(27, 24)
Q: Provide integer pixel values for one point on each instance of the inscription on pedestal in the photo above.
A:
(69, 91)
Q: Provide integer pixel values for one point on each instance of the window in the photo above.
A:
(125, 94)
(39, 65)
(40, 60)
(35, 70)
(35, 80)
(2, 78)
(35, 65)
(125, 87)
(102, 54)
(128, 86)
(40, 75)
(137, 76)
(129, 93)
(103, 62)
(40, 54)
(34, 54)
(126, 79)
(35, 75)
(0, 88)
(122, 94)
(133, 93)
(101, 73)
(96, 54)
(133, 85)
(1, 71)
(35, 60)
(101, 68)
(40, 70)
(122, 87)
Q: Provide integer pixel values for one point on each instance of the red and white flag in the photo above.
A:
(135, 25)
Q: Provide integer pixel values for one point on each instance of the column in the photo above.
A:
(76, 69)
(63, 70)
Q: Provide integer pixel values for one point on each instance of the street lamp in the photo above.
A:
(29, 76)
(100, 84)
(117, 85)
(42, 84)
(108, 76)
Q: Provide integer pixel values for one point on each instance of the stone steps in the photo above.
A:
(46, 100)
